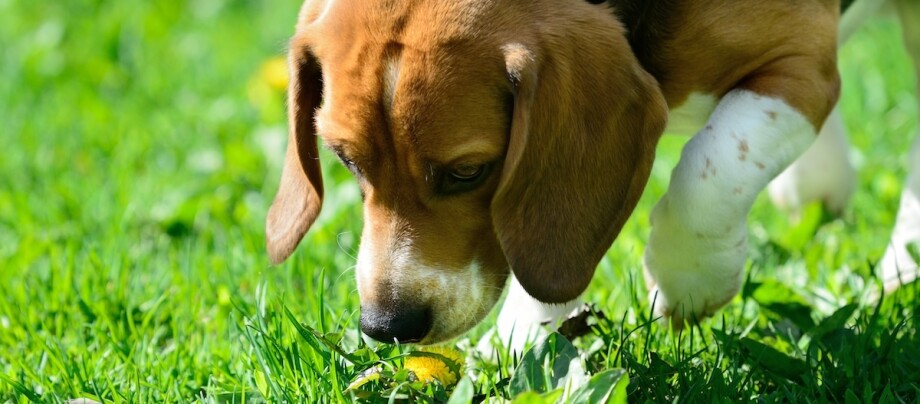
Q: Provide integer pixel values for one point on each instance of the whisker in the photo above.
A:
(338, 241)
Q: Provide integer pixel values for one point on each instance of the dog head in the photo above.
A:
(484, 136)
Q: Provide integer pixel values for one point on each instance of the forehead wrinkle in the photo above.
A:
(390, 79)
(423, 80)
(341, 138)
(440, 89)
(470, 149)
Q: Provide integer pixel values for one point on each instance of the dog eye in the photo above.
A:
(467, 172)
(348, 163)
(462, 178)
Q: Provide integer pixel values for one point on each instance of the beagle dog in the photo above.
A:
(498, 137)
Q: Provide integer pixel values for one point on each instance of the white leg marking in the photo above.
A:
(898, 266)
(824, 173)
(524, 320)
(698, 244)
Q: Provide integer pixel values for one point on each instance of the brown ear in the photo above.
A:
(585, 125)
(300, 193)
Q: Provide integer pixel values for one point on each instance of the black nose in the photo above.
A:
(404, 324)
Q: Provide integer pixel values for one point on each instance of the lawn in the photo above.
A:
(143, 144)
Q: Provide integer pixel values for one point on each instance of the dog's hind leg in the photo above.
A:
(900, 262)
(899, 265)
(856, 15)
(824, 173)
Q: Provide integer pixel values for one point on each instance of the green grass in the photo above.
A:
(141, 152)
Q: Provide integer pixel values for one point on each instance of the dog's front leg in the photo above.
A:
(697, 248)
(524, 320)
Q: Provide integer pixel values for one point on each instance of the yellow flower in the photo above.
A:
(267, 85)
(431, 368)
(274, 72)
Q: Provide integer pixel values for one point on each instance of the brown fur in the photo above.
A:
(781, 48)
(547, 93)
(586, 122)
(785, 49)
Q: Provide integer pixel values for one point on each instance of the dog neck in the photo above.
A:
(649, 24)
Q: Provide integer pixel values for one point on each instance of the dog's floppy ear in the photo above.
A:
(300, 193)
(585, 124)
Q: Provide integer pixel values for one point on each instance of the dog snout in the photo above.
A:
(403, 324)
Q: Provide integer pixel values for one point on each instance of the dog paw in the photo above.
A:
(691, 309)
(691, 282)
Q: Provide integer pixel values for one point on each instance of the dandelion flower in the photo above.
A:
(274, 73)
(446, 366)
(268, 83)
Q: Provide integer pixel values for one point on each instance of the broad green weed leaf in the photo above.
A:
(608, 386)
(529, 397)
(773, 361)
(533, 397)
(850, 397)
(797, 313)
(545, 366)
(463, 393)
(834, 321)
(659, 366)
(401, 375)
(774, 292)
(365, 355)
(365, 377)
(839, 339)
(784, 302)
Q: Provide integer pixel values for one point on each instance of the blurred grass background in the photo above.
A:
(141, 148)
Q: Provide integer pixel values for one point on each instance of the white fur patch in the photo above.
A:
(898, 266)
(389, 266)
(523, 319)
(391, 70)
(698, 244)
